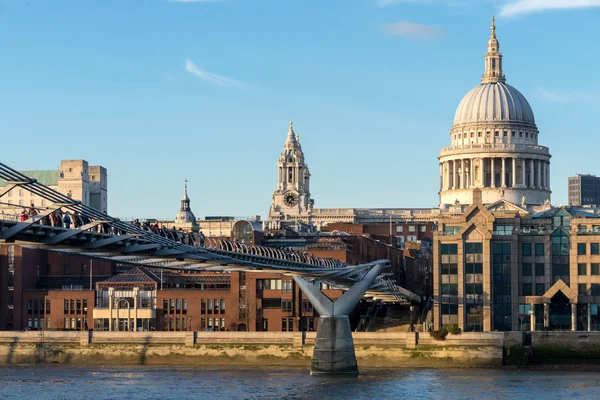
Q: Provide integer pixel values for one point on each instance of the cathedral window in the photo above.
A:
(520, 134)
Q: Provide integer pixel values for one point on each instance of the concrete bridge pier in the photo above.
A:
(334, 347)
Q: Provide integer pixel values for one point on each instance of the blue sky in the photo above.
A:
(160, 91)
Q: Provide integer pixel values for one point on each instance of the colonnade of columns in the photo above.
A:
(573, 317)
(513, 172)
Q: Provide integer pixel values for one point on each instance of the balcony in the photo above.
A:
(495, 148)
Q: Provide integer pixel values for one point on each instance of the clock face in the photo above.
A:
(290, 199)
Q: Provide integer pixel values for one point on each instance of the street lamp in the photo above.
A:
(412, 326)
(86, 319)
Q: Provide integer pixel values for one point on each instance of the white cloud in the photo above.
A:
(519, 7)
(564, 96)
(412, 30)
(207, 76)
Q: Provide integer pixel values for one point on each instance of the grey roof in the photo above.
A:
(134, 275)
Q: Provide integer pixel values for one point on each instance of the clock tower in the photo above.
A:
(292, 200)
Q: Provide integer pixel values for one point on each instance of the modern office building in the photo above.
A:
(584, 190)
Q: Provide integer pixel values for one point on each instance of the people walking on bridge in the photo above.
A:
(67, 220)
(32, 213)
(76, 220)
(23, 216)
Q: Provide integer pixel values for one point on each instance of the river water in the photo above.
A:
(148, 382)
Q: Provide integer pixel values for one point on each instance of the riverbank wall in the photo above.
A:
(373, 349)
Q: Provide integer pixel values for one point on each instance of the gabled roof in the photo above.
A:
(505, 205)
(134, 275)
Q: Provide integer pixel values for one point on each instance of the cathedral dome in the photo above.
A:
(494, 102)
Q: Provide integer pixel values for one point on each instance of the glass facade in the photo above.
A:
(501, 289)
(474, 286)
(449, 287)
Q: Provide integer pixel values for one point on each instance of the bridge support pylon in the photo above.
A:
(334, 347)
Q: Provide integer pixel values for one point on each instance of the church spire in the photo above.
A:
(493, 59)
(291, 137)
(185, 200)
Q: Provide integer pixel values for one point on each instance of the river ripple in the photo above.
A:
(150, 382)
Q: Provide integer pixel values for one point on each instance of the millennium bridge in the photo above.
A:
(107, 238)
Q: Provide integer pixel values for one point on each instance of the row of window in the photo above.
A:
(212, 306)
(411, 228)
(38, 323)
(75, 306)
(527, 247)
(582, 249)
(37, 307)
(582, 269)
(287, 306)
(274, 284)
(528, 289)
(496, 133)
(527, 269)
(175, 306)
(212, 324)
(74, 324)
(583, 289)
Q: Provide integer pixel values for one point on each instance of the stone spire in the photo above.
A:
(185, 200)
(291, 138)
(493, 59)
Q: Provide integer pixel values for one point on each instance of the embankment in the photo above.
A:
(385, 350)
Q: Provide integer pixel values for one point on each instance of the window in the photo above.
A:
(202, 306)
(501, 287)
(503, 230)
(210, 306)
(399, 228)
(165, 306)
(286, 306)
(527, 289)
(595, 289)
(423, 228)
(72, 304)
(271, 303)
(539, 269)
(216, 309)
(595, 269)
(539, 289)
(526, 269)
(526, 249)
(594, 249)
(184, 308)
(411, 228)
(582, 289)
(222, 306)
(581, 269)
(539, 249)
(172, 306)
(307, 307)
(286, 286)
(84, 269)
(581, 247)
(178, 306)
(66, 269)
(47, 306)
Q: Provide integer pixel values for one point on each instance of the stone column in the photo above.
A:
(539, 175)
(548, 168)
(524, 172)
(503, 178)
(589, 317)
(492, 172)
(531, 174)
(454, 174)
(441, 176)
(462, 174)
(472, 172)
(573, 316)
(546, 315)
(532, 317)
(514, 172)
(543, 169)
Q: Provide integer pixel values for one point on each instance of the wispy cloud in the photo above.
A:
(194, 1)
(209, 77)
(519, 7)
(564, 96)
(412, 30)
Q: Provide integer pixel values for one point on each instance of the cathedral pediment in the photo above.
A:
(504, 205)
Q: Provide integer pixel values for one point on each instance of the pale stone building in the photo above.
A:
(185, 219)
(74, 178)
(504, 258)
(494, 144)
